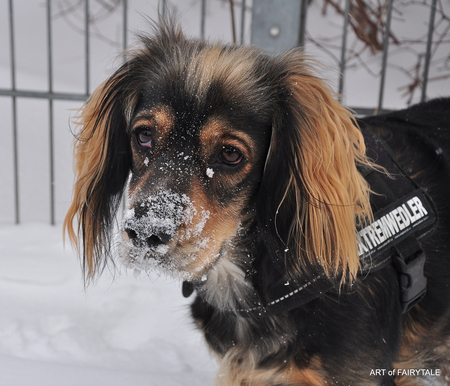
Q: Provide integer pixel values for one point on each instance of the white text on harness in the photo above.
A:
(391, 226)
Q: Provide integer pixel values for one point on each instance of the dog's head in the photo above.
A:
(217, 145)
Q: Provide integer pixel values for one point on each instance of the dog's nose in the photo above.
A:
(158, 239)
(155, 239)
(131, 233)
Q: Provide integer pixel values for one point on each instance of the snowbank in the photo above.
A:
(122, 331)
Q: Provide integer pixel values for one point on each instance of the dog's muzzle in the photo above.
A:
(154, 220)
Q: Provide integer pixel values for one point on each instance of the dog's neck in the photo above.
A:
(228, 284)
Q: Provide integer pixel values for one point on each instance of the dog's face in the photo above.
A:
(196, 169)
(226, 151)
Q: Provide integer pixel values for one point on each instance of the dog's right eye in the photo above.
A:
(144, 136)
(230, 156)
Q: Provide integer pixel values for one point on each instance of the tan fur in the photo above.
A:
(242, 372)
(216, 131)
(233, 67)
(420, 360)
(91, 143)
(423, 348)
(89, 153)
(337, 196)
(220, 227)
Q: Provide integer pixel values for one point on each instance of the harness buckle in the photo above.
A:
(413, 283)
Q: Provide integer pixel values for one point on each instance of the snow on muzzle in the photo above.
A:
(156, 220)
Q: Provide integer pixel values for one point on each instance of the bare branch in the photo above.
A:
(367, 24)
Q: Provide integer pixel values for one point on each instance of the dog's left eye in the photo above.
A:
(230, 156)
(144, 136)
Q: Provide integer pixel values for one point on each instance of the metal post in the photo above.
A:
(233, 26)
(14, 114)
(125, 24)
(344, 48)
(242, 21)
(50, 112)
(163, 9)
(86, 47)
(203, 17)
(302, 29)
(275, 24)
(428, 52)
(385, 54)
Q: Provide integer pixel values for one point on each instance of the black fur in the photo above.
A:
(356, 332)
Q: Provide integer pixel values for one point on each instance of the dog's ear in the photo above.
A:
(312, 196)
(102, 164)
(102, 148)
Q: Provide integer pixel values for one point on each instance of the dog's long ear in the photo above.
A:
(102, 148)
(312, 196)
(102, 164)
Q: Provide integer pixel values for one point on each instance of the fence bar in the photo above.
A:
(428, 53)
(343, 49)
(14, 113)
(242, 21)
(202, 19)
(125, 24)
(50, 112)
(43, 95)
(233, 26)
(365, 111)
(162, 8)
(86, 46)
(302, 29)
(385, 54)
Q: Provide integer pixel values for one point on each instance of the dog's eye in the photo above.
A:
(230, 156)
(144, 136)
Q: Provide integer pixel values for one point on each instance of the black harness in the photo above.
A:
(403, 215)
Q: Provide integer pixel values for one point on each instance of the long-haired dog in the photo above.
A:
(247, 180)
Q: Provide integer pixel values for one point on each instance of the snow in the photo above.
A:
(162, 215)
(209, 172)
(127, 329)
(121, 331)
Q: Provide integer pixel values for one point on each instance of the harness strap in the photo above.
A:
(404, 214)
(288, 296)
(409, 261)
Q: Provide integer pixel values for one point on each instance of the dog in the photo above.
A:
(248, 181)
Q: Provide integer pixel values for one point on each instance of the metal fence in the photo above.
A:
(267, 34)
(48, 94)
(295, 35)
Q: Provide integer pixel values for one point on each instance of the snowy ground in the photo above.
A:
(122, 331)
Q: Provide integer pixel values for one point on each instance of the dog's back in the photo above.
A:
(420, 139)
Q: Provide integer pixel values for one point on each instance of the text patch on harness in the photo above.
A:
(403, 213)
(395, 223)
